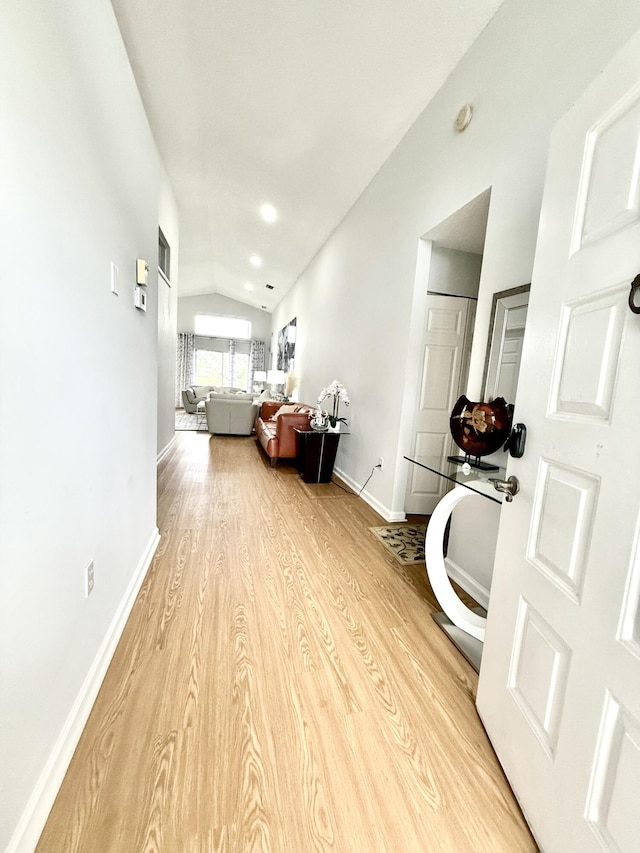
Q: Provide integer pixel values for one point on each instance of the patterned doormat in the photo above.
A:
(187, 421)
(406, 542)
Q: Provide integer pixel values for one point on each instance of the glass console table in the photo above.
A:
(463, 475)
(464, 626)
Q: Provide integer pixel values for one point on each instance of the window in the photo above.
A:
(209, 368)
(222, 368)
(241, 372)
(164, 256)
(223, 346)
(217, 326)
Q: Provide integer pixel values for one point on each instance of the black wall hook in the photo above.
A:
(635, 288)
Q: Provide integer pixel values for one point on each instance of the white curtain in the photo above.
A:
(185, 364)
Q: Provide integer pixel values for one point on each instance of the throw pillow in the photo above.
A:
(285, 410)
(264, 396)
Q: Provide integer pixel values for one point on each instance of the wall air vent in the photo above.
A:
(269, 286)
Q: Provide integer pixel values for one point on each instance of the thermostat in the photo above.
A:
(142, 272)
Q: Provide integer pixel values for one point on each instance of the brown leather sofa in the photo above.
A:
(277, 436)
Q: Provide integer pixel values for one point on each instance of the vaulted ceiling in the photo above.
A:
(296, 103)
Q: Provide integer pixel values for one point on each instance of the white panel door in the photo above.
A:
(506, 348)
(509, 370)
(444, 343)
(559, 689)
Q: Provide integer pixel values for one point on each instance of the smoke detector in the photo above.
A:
(463, 119)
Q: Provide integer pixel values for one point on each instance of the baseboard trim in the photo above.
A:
(36, 812)
(374, 503)
(468, 584)
(164, 452)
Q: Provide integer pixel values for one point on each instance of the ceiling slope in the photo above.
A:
(293, 102)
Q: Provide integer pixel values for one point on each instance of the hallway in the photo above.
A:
(280, 686)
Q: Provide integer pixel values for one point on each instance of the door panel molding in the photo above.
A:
(608, 152)
(564, 507)
(615, 778)
(538, 674)
(587, 356)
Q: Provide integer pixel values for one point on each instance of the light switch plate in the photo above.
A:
(114, 278)
(140, 298)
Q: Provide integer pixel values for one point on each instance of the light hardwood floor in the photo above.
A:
(280, 686)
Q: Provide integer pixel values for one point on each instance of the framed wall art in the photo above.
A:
(287, 347)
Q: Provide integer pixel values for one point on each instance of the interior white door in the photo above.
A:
(506, 347)
(559, 689)
(444, 342)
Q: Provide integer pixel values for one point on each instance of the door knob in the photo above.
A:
(508, 487)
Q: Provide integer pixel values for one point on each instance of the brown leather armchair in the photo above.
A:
(278, 437)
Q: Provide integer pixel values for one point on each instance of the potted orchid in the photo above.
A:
(339, 394)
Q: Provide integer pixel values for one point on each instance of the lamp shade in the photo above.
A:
(275, 377)
(259, 375)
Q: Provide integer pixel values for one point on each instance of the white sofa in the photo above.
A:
(195, 394)
(230, 414)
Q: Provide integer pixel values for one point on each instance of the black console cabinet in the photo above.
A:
(317, 455)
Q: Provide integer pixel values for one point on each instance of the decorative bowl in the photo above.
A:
(480, 428)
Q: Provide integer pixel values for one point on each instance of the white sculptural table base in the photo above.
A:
(464, 626)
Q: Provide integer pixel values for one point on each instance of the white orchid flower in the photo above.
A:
(339, 393)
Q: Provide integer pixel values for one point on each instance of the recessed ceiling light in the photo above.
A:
(255, 260)
(248, 286)
(268, 212)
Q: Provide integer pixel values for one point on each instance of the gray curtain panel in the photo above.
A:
(185, 363)
(256, 359)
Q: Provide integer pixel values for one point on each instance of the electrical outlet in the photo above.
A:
(88, 579)
(380, 464)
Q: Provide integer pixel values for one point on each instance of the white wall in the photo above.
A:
(167, 317)
(216, 303)
(454, 273)
(79, 176)
(354, 303)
